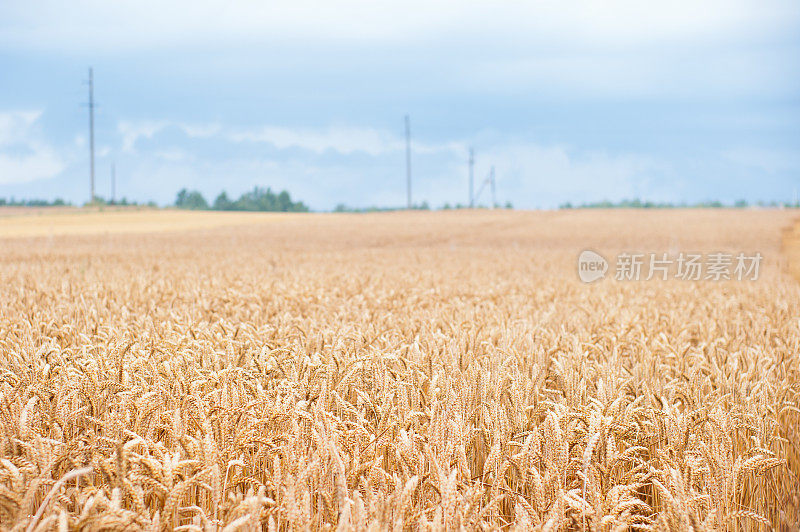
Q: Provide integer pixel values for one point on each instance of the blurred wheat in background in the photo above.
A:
(401, 371)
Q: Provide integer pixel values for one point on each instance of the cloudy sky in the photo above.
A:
(569, 100)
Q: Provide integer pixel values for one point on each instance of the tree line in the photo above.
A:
(639, 204)
(58, 202)
(258, 199)
(98, 201)
(424, 206)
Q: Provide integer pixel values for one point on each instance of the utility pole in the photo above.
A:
(113, 183)
(91, 133)
(408, 160)
(471, 178)
(494, 202)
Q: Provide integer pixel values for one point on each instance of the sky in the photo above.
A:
(570, 101)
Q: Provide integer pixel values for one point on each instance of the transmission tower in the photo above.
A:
(494, 200)
(471, 178)
(488, 181)
(408, 160)
(91, 133)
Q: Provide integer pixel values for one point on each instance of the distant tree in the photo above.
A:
(223, 203)
(740, 203)
(284, 202)
(193, 199)
(259, 199)
(299, 206)
(509, 205)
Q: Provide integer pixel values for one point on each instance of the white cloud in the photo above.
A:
(24, 156)
(201, 130)
(133, 131)
(345, 140)
(620, 48)
(676, 72)
(770, 161)
(365, 166)
(173, 155)
(528, 174)
(531, 174)
(90, 24)
(27, 168)
(16, 124)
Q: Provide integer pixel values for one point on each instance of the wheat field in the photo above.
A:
(396, 371)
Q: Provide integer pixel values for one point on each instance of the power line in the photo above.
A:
(408, 159)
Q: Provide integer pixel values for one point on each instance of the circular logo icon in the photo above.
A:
(592, 266)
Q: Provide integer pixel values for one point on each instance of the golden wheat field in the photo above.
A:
(396, 371)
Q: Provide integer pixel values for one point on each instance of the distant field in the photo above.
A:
(54, 221)
(405, 371)
(791, 248)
